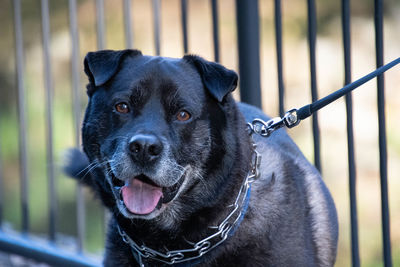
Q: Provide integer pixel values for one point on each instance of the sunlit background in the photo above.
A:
(297, 81)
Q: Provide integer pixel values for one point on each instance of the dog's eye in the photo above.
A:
(122, 107)
(183, 115)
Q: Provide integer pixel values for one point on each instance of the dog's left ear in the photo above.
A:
(218, 80)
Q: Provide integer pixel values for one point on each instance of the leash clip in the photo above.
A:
(291, 119)
(265, 128)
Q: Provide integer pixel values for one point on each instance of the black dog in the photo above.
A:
(169, 154)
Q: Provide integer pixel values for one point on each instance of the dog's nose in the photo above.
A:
(145, 148)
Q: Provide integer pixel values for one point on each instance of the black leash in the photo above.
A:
(294, 116)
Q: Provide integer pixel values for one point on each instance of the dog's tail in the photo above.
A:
(77, 166)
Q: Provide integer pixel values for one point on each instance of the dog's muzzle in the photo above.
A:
(143, 176)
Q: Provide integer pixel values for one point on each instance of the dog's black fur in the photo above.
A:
(291, 219)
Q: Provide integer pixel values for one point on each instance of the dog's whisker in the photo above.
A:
(189, 242)
(196, 174)
(89, 168)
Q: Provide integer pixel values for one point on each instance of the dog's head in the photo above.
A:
(156, 128)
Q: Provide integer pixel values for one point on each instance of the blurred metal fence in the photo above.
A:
(249, 68)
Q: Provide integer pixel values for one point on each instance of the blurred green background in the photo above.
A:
(297, 81)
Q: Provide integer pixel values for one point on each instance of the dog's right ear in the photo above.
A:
(100, 66)
(218, 80)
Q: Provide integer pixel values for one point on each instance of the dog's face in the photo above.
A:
(155, 128)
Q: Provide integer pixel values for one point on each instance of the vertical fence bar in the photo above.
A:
(127, 24)
(278, 38)
(74, 33)
(1, 185)
(214, 10)
(184, 11)
(350, 134)
(101, 38)
(49, 118)
(382, 134)
(312, 35)
(23, 153)
(101, 44)
(156, 21)
(249, 51)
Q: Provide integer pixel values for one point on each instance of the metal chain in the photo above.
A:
(205, 245)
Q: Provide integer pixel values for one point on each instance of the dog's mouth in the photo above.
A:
(141, 196)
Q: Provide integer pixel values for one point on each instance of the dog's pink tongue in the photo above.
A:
(140, 197)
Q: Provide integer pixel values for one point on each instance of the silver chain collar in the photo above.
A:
(207, 244)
